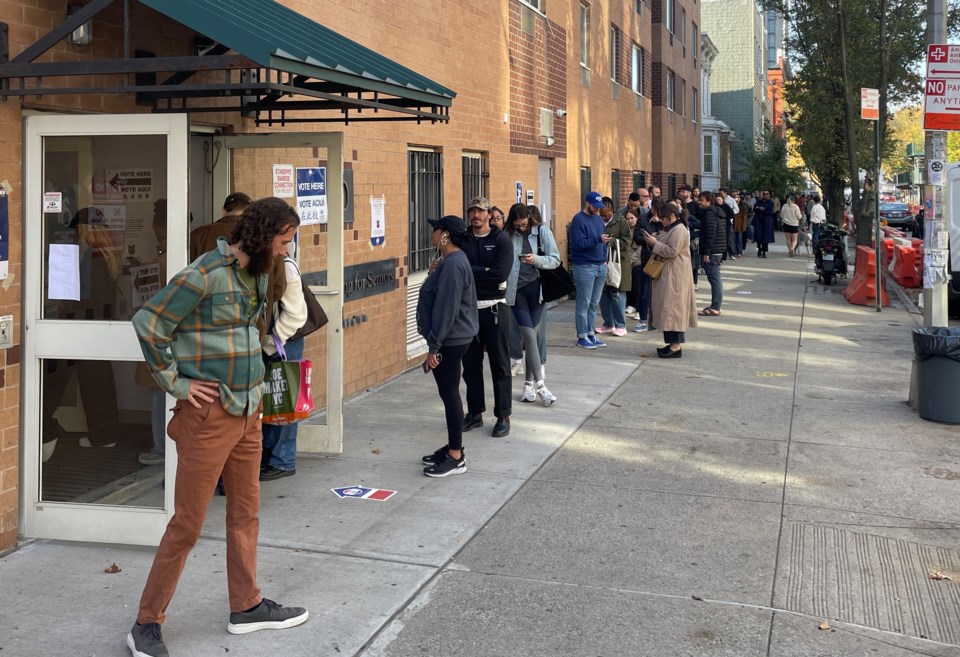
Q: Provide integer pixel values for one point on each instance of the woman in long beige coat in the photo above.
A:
(673, 307)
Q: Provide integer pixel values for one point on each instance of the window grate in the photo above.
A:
(426, 202)
(476, 178)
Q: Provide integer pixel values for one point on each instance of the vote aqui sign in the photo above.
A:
(942, 88)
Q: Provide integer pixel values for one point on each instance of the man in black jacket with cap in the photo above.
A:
(713, 244)
(490, 252)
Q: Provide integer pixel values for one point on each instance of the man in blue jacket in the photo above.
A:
(490, 253)
(588, 255)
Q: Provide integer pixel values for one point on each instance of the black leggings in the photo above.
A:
(447, 375)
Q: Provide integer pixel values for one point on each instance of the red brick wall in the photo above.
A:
(537, 80)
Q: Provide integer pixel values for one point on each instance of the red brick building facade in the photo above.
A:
(553, 99)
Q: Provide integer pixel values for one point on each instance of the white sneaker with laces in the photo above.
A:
(546, 397)
(517, 368)
(529, 395)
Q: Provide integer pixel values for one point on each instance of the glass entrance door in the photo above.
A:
(246, 164)
(105, 204)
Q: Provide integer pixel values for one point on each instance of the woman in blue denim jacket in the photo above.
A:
(535, 249)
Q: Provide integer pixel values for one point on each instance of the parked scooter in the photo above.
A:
(830, 258)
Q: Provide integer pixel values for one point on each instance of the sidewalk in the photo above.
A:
(722, 504)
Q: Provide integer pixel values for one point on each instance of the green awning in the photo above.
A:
(277, 37)
(268, 61)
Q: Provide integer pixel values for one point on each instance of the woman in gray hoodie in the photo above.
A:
(447, 320)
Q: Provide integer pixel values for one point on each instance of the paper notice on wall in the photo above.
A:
(378, 220)
(64, 274)
(4, 235)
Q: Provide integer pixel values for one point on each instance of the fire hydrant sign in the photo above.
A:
(283, 185)
(942, 88)
(312, 195)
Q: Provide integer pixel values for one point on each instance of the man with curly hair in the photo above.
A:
(200, 338)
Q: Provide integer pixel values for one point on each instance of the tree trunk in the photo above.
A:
(863, 232)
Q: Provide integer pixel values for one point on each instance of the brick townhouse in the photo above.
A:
(126, 123)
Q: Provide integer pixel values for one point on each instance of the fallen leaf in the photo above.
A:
(823, 626)
(644, 354)
(113, 568)
(939, 574)
(376, 451)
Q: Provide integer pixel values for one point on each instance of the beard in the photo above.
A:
(260, 262)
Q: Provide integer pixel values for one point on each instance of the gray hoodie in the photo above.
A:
(447, 306)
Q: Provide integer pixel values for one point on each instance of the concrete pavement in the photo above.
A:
(725, 503)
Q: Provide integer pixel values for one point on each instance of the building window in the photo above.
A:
(636, 70)
(639, 6)
(476, 178)
(695, 106)
(536, 4)
(696, 181)
(426, 202)
(615, 53)
(584, 31)
(671, 90)
(585, 183)
(668, 15)
(682, 31)
(672, 186)
(639, 180)
(682, 100)
(615, 187)
(707, 154)
(694, 42)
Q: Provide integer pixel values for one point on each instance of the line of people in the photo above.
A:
(484, 284)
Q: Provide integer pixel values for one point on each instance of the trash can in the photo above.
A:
(937, 353)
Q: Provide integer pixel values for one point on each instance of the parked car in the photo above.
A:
(898, 215)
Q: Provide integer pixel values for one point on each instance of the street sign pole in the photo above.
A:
(870, 111)
(876, 211)
(939, 114)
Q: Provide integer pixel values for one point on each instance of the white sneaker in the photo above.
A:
(529, 395)
(545, 395)
(517, 368)
(637, 316)
(630, 310)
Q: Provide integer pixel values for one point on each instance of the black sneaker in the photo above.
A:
(437, 456)
(145, 641)
(268, 615)
(447, 466)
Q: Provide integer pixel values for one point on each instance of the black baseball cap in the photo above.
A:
(450, 223)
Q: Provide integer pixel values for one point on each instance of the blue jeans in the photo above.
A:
(613, 307)
(816, 235)
(712, 270)
(158, 420)
(280, 441)
(738, 244)
(588, 280)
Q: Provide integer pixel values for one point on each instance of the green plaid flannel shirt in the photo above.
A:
(203, 325)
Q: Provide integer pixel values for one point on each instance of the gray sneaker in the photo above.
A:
(145, 641)
(150, 458)
(268, 615)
